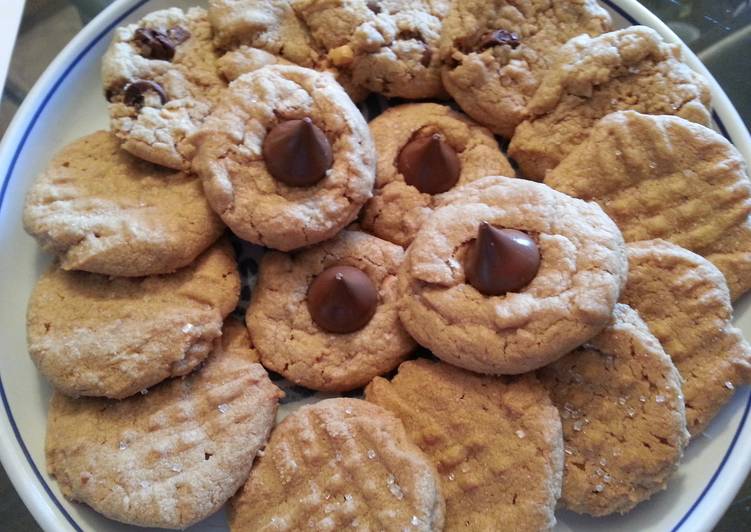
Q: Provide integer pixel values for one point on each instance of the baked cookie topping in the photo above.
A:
(161, 79)
(665, 177)
(104, 211)
(103, 336)
(629, 69)
(423, 151)
(236, 163)
(582, 269)
(339, 464)
(624, 423)
(684, 300)
(171, 457)
(495, 52)
(324, 332)
(499, 452)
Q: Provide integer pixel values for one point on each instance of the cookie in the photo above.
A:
(684, 300)
(286, 158)
(499, 452)
(666, 177)
(174, 456)
(409, 185)
(340, 463)
(629, 69)
(245, 59)
(105, 336)
(449, 299)
(386, 46)
(104, 211)
(296, 337)
(624, 423)
(273, 26)
(161, 79)
(496, 52)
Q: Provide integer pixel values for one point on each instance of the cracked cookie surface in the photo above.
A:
(495, 441)
(665, 177)
(582, 270)
(155, 126)
(685, 302)
(629, 69)
(492, 82)
(102, 336)
(291, 343)
(341, 463)
(624, 423)
(173, 456)
(397, 210)
(237, 183)
(104, 211)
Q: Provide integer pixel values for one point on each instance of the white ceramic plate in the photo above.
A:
(67, 102)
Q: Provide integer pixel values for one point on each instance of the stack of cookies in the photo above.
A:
(505, 343)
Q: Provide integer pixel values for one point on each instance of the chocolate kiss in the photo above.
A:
(501, 260)
(342, 299)
(297, 153)
(429, 164)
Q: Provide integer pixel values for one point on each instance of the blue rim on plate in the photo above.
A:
(6, 181)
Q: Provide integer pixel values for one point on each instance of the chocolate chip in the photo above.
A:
(110, 93)
(427, 55)
(501, 260)
(134, 92)
(155, 44)
(429, 164)
(178, 35)
(297, 153)
(342, 299)
(497, 38)
(374, 7)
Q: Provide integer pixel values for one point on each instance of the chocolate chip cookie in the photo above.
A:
(510, 275)
(424, 150)
(326, 317)
(286, 158)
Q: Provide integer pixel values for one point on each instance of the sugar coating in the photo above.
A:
(104, 211)
(397, 210)
(257, 207)
(191, 82)
(628, 69)
(684, 300)
(292, 344)
(582, 269)
(171, 457)
(624, 422)
(107, 336)
(317, 473)
(493, 86)
(496, 442)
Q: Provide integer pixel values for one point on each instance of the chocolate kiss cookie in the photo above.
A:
(326, 317)
(342, 299)
(297, 153)
(424, 150)
(501, 260)
(582, 268)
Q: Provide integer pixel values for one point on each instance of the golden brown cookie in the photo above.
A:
(173, 456)
(496, 442)
(290, 342)
(237, 164)
(495, 52)
(398, 207)
(107, 336)
(624, 423)
(582, 268)
(684, 300)
(104, 211)
(665, 177)
(338, 464)
(628, 69)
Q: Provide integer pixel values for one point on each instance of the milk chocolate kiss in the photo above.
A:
(297, 153)
(429, 164)
(342, 299)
